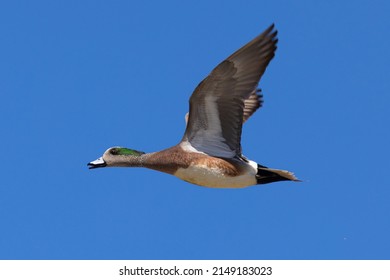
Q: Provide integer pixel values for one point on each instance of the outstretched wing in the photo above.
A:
(217, 106)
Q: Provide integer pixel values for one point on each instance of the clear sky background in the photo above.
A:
(77, 77)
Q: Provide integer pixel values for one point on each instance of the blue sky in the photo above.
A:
(77, 77)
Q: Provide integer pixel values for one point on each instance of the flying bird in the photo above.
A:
(209, 153)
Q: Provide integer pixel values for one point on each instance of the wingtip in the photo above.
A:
(272, 28)
(272, 33)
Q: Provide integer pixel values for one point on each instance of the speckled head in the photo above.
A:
(117, 156)
(123, 151)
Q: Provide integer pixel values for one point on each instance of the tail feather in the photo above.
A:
(267, 175)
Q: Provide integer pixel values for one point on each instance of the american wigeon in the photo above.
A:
(210, 152)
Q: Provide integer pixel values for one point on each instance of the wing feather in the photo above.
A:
(227, 97)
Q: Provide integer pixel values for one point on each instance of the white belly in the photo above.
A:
(214, 177)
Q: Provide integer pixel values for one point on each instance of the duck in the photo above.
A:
(210, 152)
